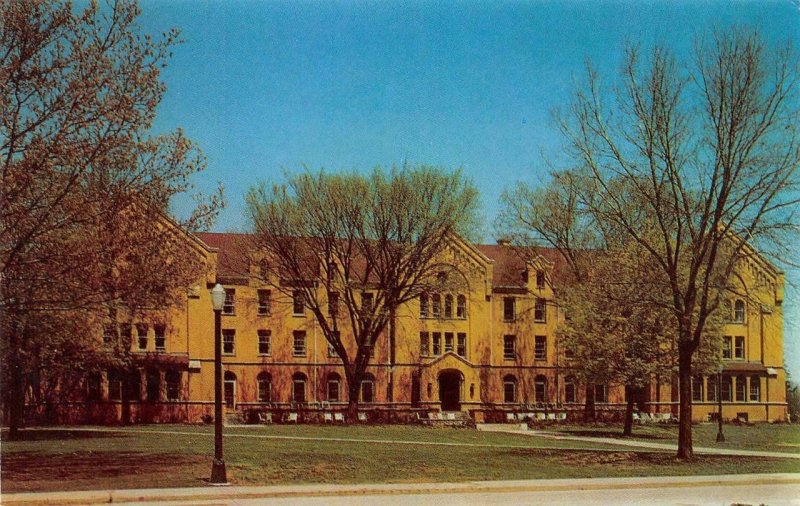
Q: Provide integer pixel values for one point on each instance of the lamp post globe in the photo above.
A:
(218, 473)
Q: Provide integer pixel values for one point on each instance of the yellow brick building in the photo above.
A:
(488, 349)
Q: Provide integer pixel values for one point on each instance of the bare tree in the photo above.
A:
(364, 243)
(84, 187)
(709, 151)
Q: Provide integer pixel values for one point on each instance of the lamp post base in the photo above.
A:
(218, 474)
(720, 437)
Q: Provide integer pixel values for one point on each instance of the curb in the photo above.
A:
(284, 491)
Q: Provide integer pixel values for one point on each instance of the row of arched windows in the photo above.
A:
(430, 306)
(739, 388)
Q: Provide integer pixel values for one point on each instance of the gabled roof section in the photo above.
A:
(510, 264)
(447, 355)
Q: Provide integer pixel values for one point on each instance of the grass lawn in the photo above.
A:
(144, 457)
(767, 437)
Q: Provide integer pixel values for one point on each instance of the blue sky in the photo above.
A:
(270, 87)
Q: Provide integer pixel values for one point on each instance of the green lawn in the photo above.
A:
(68, 459)
(767, 437)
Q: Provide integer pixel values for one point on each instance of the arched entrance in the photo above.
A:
(450, 382)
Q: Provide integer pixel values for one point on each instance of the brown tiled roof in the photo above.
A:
(232, 257)
(509, 266)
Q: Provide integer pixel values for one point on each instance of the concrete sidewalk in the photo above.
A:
(517, 429)
(321, 490)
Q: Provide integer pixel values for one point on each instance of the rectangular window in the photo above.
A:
(697, 388)
(727, 347)
(423, 306)
(539, 280)
(229, 306)
(228, 341)
(298, 308)
(741, 389)
(437, 343)
(108, 334)
(600, 393)
(424, 344)
(540, 348)
(509, 309)
(448, 342)
(161, 337)
(738, 349)
(125, 333)
(509, 347)
(367, 300)
(264, 302)
(570, 392)
(299, 348)
(461, 349)
(331, 350)
(727, 387)
(540, 310)
(755, 389)
(141, 335)
(264, 342)
(711, 388)
(114, 386)
(333, 305)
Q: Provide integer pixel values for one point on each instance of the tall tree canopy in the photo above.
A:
(367, 243)
(85, 187)
(708, 149)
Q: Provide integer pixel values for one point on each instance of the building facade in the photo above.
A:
(488, 348)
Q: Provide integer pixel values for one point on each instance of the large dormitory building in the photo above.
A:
(487, 350)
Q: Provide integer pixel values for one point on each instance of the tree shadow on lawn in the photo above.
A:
(85, 470)
(617, 434)
(59, 434)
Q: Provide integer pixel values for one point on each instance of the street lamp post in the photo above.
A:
(720, 435)
(218, 474)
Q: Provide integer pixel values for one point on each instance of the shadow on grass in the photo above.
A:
(28, 471)
(58, 435)
(617, 434)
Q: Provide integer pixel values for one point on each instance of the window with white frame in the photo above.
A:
(461, 307)
(509, 309)
(265, 342)
(228, 341)
(738, 311)
(298, 307)
(448, 342)
(600, 393)
(540, 388)
(423, 306)
(333, 387)
(539, 280)
(264, 383)
(448, 306)
(229, 306)
(264, 302)
(738, 348)
(540, 310)
(727, 347)
(160, 333)
(570, 389)
(299, 344)
(436, 305)
(368, 389)
(509, 389)
(755, 388)
(461, 345)
(424, 344)
(173, 380)
(741, 388)
(697, 388)
(540, 348)
(437, 343)
(141, 335)
(509, 347)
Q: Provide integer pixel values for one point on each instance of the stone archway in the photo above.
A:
(450, 382)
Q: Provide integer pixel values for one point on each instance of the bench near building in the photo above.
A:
(487, 352)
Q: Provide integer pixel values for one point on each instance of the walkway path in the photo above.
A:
(478, 492)
(631, 443)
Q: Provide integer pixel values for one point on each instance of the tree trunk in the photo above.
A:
(628, 430)
(352, 403)
(685, 450)
(589, 414)
(125, 417)
(16, 391)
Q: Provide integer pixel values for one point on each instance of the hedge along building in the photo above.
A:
(485, 346)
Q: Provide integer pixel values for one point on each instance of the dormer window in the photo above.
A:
(540, 280)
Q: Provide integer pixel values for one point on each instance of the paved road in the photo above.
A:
(774, 495)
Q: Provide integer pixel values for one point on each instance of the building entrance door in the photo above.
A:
(450, 390)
